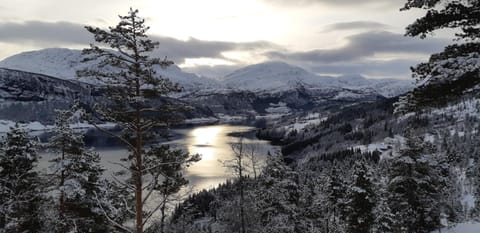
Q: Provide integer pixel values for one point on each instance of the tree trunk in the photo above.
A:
(242, 196)
(138, 190)
(139, 166)
(62, 183)
(162, 220)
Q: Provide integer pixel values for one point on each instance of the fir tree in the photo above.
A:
(335, 193)
(384, 218)
(277, 199)
(20, 191)
(134, 91)
(78, 172)
(414, 188)
(360, 200)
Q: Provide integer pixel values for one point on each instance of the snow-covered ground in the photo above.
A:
(37, 126)
(470, 227)
(388, 147)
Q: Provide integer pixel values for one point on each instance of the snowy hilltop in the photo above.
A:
(63, 63)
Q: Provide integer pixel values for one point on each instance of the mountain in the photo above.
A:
(387, 87)
(63, 63)
(269, 76)
(275, 76)
(26, 96)
(266, 88)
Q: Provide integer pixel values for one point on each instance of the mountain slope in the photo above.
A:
(63, 63)
(274, 76)
(387, 87)
(268, 76)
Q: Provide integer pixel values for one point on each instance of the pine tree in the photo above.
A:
(20, 191)
(360, 200)
(414, 188)
(134, 91)
(78, 176)
(451, 73)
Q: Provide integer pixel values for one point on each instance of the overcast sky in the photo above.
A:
(214, 37)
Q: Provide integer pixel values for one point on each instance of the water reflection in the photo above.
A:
(212, 142)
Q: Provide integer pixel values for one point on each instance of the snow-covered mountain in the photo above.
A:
(387, 87)
(269, 76)
(63, 63)
(273, 76)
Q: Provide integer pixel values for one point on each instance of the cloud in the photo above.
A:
(396, 68)
(354, 25)
(217, 71)
(347, 3)
(44, 33)
(56, 34)
(178, 50)
(365, 45)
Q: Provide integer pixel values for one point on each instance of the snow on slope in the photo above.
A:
(63, 63)
(281, 76)
(462, 228)
(387, 87)
(273, 75)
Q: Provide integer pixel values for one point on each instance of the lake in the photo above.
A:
(211, 141)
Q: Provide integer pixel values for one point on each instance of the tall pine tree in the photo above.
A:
(134, 91)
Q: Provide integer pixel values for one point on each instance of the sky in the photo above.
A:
(214, 37)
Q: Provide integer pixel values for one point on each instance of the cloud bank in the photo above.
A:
(364, 52)
(57, 34)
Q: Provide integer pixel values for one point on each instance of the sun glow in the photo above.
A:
(204, 140)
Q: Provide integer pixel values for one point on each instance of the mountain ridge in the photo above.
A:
(267, 76)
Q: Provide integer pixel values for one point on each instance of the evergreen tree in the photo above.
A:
(335, 193)
(360, 200)
(451, 73)
(384, 218)
(414, 188)
(134, 91)
(278, 197)
(20, 191)
(78, 178)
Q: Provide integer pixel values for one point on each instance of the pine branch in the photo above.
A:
(118, 225)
